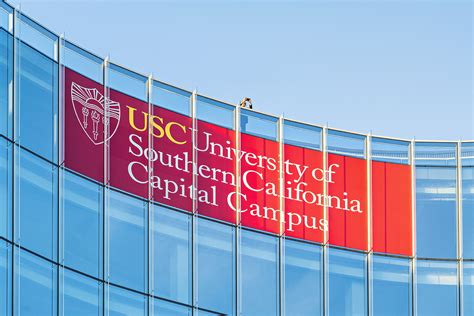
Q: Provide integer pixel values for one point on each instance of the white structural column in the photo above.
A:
(413, 223)
(459, 226)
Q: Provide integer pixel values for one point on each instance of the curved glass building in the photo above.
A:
(124, 195)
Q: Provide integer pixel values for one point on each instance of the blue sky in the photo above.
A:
(396, 68)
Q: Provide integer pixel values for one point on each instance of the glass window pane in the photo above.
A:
(215, 266)
(5, 13)
(347, 144)
(82, 62)
(6, 78)
(37, 97)
(436, 288)
(5, 279)
(391, 286)
(36, 36)
(468, 287)
(172, 254)
(347, 283)
(467, 150)
(468, 211)
(127, 82)
(258, 274)
(215, 112)
(165, 308)
(303, 135)
(125, 303)
(171, 98)
(302, 264)
(467, 154)
(5, 188)
(257, 124)
(81, 295)
(390, 150)
(35, 286)
(128, 241)
(436, 212)
(36, 204)
(435, 154)
(82, 224)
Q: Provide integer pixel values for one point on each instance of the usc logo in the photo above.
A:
(174, 131)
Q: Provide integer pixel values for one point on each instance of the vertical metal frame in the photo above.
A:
(237, 297)
(194, 296)
(325, 246)
(105, 206)
(281, 240)
(368, 157)
(460, 255)
(15, 250)
(413, 224)
(60, 231)
(150, 276)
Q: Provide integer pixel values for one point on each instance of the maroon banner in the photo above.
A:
(216, 171)
(84, 125)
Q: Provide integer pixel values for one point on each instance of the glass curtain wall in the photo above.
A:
(72, 243)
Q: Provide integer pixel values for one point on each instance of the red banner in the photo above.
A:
(391, 208)
(347, 202)
(159, 154)
(304, 184)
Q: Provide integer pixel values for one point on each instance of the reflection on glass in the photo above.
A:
(468, 287)
(347, 283)
(36, 204)
(5, 279)
(302, 135)
(128, 241)
(436, 212)
(303, 279)
(391, 286)
(259, 275)
(35, 286)
(435, 154)
(36, 36)
(436, 288)
(347, 144)
(172, 254)
(6, 77)
(81, 295)
(127, 82)
(165, 308)
(82, 62)
(215, 266)
(36, 102)
(125, 303)
(82, 224)
(5, 13)
(215, 112)
(257, 124)
(389, 150)
(467, 154)
(5, 188)
(171, 98)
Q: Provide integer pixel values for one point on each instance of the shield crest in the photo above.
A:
(93, 114)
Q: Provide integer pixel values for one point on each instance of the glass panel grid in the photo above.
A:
(435, 154)
(388, 150)
(347, 144)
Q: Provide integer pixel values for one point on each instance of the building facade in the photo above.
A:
(124, 195)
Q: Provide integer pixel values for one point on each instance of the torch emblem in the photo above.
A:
(95, 113)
